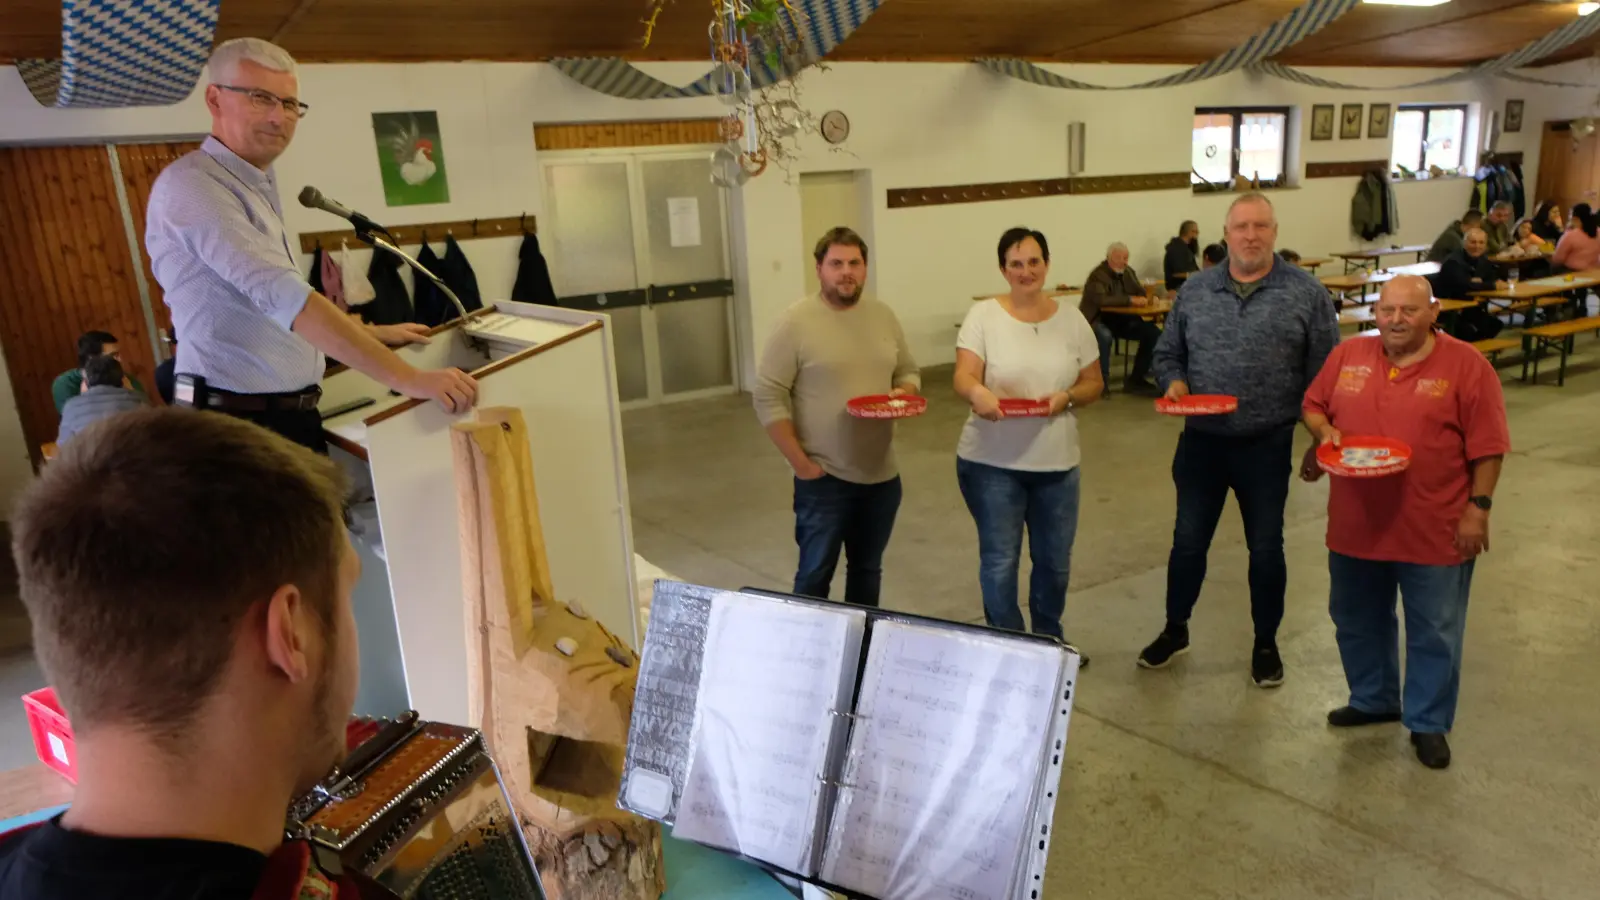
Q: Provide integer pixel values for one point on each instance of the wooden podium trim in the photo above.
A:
(431, 332)
(487, 370)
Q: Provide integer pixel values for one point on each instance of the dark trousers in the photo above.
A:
(303, 426)
(1256, 469)
(1133, 328)
(832, 514)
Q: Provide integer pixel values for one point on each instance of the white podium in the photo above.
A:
(556, 365)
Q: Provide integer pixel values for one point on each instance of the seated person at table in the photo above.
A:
(209, 671)
(1463, 272)
(1213, 255)
(1182, 256)
(1449, 240)
(1497, 226)
(103, 397)
(1114, 283)
(1289, 256)
(1547, 222)
(1579, 248)
(69, 384)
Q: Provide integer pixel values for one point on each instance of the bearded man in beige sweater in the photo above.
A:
(827, 349)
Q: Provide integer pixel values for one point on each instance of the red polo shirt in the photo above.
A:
(1448, 408)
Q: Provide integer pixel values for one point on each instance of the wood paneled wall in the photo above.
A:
(595, 135)
(66, 270)
(141, 163)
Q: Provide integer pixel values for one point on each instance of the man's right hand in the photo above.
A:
(1177, 390)
(452, 389)
(810, 471)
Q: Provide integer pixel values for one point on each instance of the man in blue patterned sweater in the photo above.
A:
(1257, 328)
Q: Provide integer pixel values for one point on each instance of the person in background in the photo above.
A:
(1257, 329)
(1525, 238)
(155, 647)
(1580, 211)
(1023, 473)
(1449, 240)
(1579, 248)
(1419, 534)
(1464, 271)
(104, 395)
(254, 332)
(91, 344)
(1497, 226)
(1115, 283)
(1182, 256)
(1289, 256)
(824, 351)
(1214, 255)
(166, 373)
(1547, 222)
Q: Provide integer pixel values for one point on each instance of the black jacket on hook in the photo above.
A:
(392, 305)
(431, 305)
(533, 275)
(457, 273)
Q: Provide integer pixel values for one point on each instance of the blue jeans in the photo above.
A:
(831, 513)
(1361, 601)
(1103, 336)
(1257, 469)
(1002, 502)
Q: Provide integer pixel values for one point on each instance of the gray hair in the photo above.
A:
(224, 64)
(1251, 197)
(1115, 247)
(1499, 205)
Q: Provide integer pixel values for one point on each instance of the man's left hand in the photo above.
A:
(401, 334)
(1472, 534)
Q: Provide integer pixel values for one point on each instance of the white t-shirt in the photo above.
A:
(1028, 361)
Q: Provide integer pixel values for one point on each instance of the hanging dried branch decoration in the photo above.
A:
(652, 14)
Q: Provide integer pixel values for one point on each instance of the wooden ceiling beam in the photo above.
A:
(1289, 54)
(1147, 27)
(292, 19)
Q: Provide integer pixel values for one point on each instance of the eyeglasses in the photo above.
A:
(265, 100)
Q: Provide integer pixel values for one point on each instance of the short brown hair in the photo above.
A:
(840, 237)
(142, 548)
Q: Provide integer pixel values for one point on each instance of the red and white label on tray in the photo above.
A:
(1020, 408)
(883, 406)
(1198, 405)
(1364, 457)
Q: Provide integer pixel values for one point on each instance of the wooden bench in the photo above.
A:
(1534, 304)
(1557, 334)
(1493, 347)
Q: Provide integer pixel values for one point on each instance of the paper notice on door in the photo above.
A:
(683, 218)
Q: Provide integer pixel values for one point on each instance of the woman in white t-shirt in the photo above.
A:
(1017, 471)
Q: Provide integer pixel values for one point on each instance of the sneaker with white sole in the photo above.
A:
(1266, 666)
(1168, 645)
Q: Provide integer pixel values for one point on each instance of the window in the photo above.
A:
(1249, 141)
(1427, 136)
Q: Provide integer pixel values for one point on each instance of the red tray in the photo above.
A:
(1022, 408)
(1364, 457)
(883, 406)
(1198, 405)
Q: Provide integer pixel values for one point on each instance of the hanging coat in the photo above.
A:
(533, 275)
(1372, 209)
(314, 277)
(390, 304)
(358, 290)
(431, 305)
(459, 275)
(333, 281)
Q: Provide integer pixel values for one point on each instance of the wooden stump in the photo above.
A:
(552, 688)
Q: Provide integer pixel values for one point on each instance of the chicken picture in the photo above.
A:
(410, 157)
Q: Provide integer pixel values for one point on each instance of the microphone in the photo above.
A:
(311, 198)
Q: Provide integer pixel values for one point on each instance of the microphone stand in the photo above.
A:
(376, 236)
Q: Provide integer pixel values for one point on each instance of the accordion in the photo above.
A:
(419, 808)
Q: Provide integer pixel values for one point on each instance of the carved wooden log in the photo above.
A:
(551, 687)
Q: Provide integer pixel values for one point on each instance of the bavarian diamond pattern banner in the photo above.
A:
(124, 53)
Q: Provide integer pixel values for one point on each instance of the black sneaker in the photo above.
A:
(1432, 750)
(1350, 717)
(1266, 667)
(1170, 643)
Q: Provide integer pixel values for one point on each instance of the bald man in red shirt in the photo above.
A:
(1420, 531)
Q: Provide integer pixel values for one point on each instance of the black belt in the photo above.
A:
(290, 402)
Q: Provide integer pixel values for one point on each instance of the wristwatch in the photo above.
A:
(1482, 501)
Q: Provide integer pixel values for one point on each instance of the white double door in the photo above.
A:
(642, 236)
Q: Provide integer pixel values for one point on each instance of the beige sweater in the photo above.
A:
(816, 360)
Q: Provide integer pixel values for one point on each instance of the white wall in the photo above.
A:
(913, 124)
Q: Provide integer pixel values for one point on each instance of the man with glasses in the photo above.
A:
(254, 332)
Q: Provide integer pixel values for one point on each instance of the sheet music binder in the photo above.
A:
(872, 753)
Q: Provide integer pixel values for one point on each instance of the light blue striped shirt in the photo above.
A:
(220, 251)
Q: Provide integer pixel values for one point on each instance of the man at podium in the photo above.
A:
(254, 332)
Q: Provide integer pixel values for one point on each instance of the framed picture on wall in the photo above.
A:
(1378, 117)
(1513, 120)
(411, 158)
(1322, 122)
(1350, 121)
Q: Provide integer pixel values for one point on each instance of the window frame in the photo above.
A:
(1427, 109)
(1238, 113)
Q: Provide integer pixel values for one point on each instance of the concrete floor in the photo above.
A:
(1190, 781)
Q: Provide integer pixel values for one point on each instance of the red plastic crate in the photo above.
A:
(52, 733)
